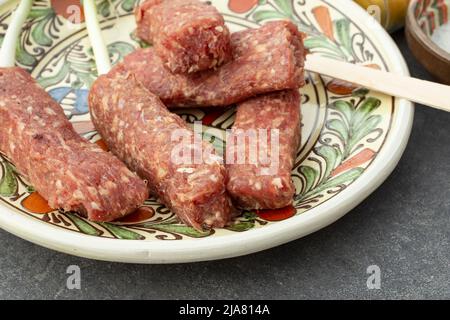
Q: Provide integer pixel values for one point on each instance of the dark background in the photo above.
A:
(404, 228)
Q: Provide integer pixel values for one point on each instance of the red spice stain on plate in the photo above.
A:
(102, 144)
(35, 203)
(140, 215)
(210, 117)
(277, 214)
(241, 6)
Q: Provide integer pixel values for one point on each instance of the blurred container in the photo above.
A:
(424, 18)
(390, 13)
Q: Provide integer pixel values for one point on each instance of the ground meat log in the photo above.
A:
(188, 35)
(267, 59)
(67, 170)
(140, 131)
(252, 185)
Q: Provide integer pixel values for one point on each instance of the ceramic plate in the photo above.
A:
(352, 137)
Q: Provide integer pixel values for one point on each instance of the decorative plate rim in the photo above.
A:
(134, 251)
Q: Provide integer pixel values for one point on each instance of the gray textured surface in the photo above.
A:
(404, 228)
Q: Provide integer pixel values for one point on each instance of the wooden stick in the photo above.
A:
(424, 92)
(101, 53)
(8, 50)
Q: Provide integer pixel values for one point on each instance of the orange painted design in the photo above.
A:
(140, 215)
(102, 144)
(358, 160)
(35, 203)
(323, 18)
(211, 117)
(277, 214)
(373, 66)
(241, 6)
(343, 88)
(66, 9)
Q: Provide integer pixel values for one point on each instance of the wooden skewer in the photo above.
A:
(424, 92)
(8, 50)
(101, 54)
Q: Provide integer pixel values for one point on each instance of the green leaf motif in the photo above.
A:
(104, 8)
(241, 226)
(179, 229)
(121, 49)
(83, 69)
(360, 92)
(362, 113)
(129, 5)
(122, 233)
(285, 6)
(249, 215)
(360, 121)
(343, 32)
(38, 32)
(344, 178)
(363, 130)
(322, 42)
(352, 126)
(310, 175)
(339, 127)
(85, 79)
(57, 78)
(82, 225)
(37, 13)
(8, 183)
(330, 155)
(345, 108)
(23, 57)
(262, 15)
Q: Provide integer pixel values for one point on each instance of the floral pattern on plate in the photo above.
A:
(344, 126)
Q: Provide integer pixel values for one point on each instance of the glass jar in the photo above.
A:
(390, 13)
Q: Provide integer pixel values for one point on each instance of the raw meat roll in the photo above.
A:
(188, 35)
(262, 178)
(67, 170)
(146, 136)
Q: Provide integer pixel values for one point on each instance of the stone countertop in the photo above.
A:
(404, 228)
